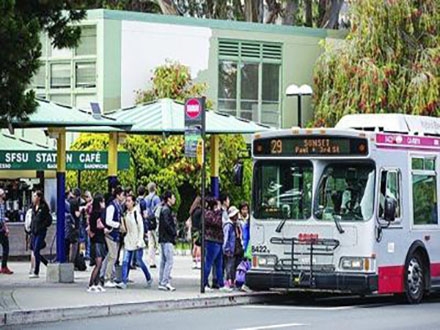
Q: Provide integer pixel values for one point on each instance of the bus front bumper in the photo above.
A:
(260, 279)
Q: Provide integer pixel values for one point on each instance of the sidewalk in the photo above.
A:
(24, 300)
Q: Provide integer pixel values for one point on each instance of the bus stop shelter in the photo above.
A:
(166, 116)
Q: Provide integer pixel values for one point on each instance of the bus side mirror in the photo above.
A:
(238, 174)
(390, 209)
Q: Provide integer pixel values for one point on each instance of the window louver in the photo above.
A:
(250, 50)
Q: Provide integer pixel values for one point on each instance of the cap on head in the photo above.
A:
(233, 211)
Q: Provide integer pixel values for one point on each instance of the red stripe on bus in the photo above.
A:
(435, 270)
(391, 279)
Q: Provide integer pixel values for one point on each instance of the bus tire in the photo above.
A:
(414, 278)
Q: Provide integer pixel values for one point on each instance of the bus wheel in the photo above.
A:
(414, 279)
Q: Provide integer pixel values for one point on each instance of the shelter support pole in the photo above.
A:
(112, 161)
(215, 162)
(61, 193)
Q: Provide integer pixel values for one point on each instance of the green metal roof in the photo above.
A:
(49, 114)
(167, 116)
(214, 23)
(10, 142)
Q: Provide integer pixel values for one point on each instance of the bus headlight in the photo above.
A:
(267, 260)
(356, 263)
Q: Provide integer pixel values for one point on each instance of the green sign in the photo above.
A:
(47, 160)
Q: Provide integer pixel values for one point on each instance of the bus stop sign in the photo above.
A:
(193, 111)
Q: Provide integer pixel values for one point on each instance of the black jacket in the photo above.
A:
(41, 219)
(167, 226)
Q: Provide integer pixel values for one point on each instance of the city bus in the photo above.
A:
(351, 209)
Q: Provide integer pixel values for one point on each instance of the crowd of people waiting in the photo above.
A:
(123, 225)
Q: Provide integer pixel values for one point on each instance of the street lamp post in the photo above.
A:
(294, 90)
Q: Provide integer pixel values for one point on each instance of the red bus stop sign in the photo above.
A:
(193, 112)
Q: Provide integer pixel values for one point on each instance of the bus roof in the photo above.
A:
(393, 123)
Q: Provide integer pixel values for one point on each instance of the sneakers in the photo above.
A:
(93, 289)
(100, 288)
(162, 287)
(225, 289)
(149, 283)
(6, 271)
(34, 276)
(194, 266)
(109, 284)
(208, 289)
(170, 287)
(121, 285)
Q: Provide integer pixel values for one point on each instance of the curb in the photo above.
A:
(72, 313)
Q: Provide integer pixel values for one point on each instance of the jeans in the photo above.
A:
(4, 241)
(214, 256)
(166, 263)
(126, 264)
(37, 244)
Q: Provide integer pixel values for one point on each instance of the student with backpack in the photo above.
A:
(133, 228)
(152, 203)
(232, 246)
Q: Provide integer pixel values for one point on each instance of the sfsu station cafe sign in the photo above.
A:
(47, 160)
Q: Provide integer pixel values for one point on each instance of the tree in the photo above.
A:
(389, 63)
(21, 22)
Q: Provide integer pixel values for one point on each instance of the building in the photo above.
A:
(247, 66)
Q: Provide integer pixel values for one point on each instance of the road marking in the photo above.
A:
(275, 326)
(311, 308)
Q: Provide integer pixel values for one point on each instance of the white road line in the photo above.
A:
(275, 326)
(301, 308)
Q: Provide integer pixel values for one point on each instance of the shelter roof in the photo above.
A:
(11, 142)
(167, 116)
(49, 114)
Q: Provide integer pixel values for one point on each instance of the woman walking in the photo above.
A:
(97, 239)
(41, 220)
(133, 227)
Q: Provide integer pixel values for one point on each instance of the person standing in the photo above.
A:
(224, 201)
(195, 213)
(153, 202)
(167, 239)
(113, 218)
(134, 243)
(243, 218)
(41, 220)
(97, 239)
(232, 246)
(4, 235)
(73, 234)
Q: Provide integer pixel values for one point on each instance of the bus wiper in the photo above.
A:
(336, 219)
(285, 213)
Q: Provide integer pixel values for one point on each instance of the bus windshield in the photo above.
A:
(283, 189)
(346, 191)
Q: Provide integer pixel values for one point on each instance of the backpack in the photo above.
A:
(153, 213)
(80, 263)
(240, 274)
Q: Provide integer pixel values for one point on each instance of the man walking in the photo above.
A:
(4, 235)
(152, 201)
(167, 239)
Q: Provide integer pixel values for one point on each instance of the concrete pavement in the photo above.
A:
(24, 300)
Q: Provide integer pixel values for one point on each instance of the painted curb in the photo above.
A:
(72, 313)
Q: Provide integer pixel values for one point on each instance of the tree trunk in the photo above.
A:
(251, 10)
(168, 7)
(309, 13)
(274, 9)
(331, 16)
(290, 12)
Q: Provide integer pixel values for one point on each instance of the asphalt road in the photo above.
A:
(319, 313)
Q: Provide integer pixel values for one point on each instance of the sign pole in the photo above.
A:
(202, 255)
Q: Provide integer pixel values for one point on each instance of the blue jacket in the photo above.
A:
(117, 215)
(229, 237)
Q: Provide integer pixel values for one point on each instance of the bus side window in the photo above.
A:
(389, 187)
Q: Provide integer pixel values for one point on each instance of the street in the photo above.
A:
(319, 313)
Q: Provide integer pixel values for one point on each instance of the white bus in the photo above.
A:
(350, 209)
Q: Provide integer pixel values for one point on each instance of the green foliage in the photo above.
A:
(20, 25)
(390, 62)
(172, 80)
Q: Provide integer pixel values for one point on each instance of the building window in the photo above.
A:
(60, 75)
(65, 99)
(249, 80)
(85, 73)
(39, 80)
(87, 44)
(424, 191)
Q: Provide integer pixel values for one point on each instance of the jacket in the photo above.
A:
(229, 235)
(214, 226)
(133, 226)
(41, 219)
(167, 226)
(113, 219)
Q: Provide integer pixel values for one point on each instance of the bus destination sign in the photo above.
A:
(311, 146)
